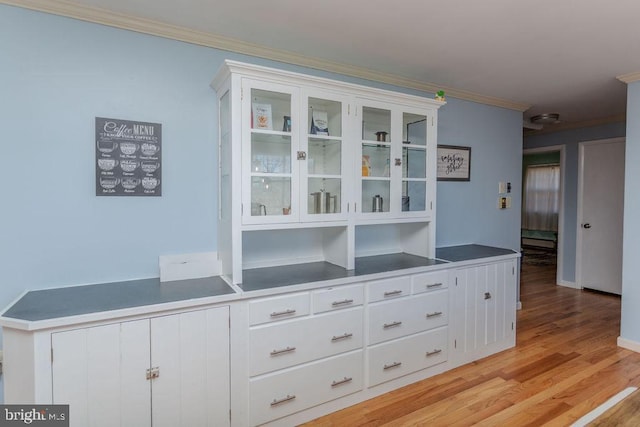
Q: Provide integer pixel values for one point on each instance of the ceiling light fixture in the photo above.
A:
(545, 118)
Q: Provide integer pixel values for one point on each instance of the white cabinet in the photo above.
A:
(407, 331)
(484, 300)
(308, 164)
(299, 361)
(165, 371)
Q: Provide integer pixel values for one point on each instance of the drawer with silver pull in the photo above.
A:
(336, 298)
(285, 344)
(402, 317)
(428, 282)
(265, 310)
(403, 356)
(387, 289)
(276, 395)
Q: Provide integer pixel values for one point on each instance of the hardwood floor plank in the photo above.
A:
(565, 364)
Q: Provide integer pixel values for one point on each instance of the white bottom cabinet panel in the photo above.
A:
(165, 371)
(406, 355)
(100, 373)
(279, 394)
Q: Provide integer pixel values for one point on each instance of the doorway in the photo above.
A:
(543, 207)
(600, 214)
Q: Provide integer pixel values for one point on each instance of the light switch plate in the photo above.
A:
(502, 187)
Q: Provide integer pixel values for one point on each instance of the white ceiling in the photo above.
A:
(552, 55)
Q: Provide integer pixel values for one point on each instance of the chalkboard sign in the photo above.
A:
(128, 158)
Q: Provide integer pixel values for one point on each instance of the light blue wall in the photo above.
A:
(570, 139)
(58, 74)
(630, 321)
(467, 211)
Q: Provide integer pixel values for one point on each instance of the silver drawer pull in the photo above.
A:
(434, 314)
(343, 302)
(392, 293)
(487, 295)
(342, 381)
(283, 351)
(393, 365)
(283, 313)
(289, 398)
(391, 325)
(434, 285)
(434, 352)
(342, 337)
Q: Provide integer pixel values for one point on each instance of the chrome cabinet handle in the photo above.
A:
(283, 351)
(434, 314)
(283, 313)
(434, 285)
(392, 293)
(342, 381)
(289, 398)
(343, 302)
(393, 365)
(391, 325)
(487, 295)
(341, 337)
(434, 352)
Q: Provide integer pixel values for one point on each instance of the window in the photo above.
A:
(541, 198)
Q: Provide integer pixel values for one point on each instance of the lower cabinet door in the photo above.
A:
(100, 373)
(282, 393)
(406, 355)
(191, 352)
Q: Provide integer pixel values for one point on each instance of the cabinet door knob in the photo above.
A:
(487, 295)
(302, 155)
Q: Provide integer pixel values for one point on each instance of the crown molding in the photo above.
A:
(577, 125)
(160, 29)
(629, 78)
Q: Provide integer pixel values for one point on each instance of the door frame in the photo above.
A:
(560, 244)
(579, 212)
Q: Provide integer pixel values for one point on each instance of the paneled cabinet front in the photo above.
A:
(163, 371)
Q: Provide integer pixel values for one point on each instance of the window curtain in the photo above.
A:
(541, 198)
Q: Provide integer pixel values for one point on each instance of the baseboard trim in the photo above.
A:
(628, 344)
(566, 284)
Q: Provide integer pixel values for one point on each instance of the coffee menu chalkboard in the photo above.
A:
(128, 158)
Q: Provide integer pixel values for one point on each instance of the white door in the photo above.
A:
(191, 352)
(600, 214)
(100, 373)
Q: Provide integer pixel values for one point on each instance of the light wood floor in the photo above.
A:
(565, 364)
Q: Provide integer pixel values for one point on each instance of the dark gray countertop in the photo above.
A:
(470, 252)
(75, 300)
(274, 277)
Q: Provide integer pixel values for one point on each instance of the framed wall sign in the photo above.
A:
(454, 163)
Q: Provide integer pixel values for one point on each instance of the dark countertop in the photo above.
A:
(75, 300)
(470, 252)
(275, 277)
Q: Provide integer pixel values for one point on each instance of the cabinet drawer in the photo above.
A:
(283, 393)
(406, 355)
(398, 318)
(428, 282)
(285, 344)
(381, 290)
(337, 298)
(278, 308)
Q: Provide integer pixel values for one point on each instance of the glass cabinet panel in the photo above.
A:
(270, 196)
(414, 163)
(271, 153)
(375, 195)
(376, 124)
(325, 153)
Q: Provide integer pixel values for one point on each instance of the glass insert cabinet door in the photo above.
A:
(376, 151)
(269, 124)
(322, 174)
(414, 163)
